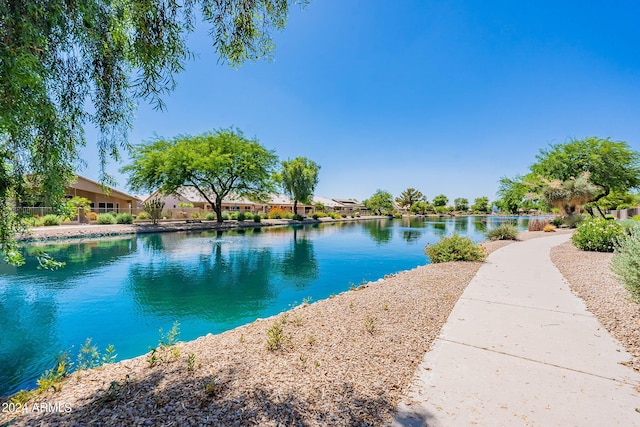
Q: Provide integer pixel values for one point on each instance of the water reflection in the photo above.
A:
(299, 260)
(379, 230)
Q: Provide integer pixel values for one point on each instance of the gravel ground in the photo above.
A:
(589, 277)
(346, 360)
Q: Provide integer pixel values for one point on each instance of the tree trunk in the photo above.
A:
(217, 206)
(295, 207)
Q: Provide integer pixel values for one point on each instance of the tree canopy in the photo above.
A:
(298, 179)
(381, 202)
(408, 197)
(610, 165)
(216, 164)
(440, 200)
(66, 65)
(461, 204)
(481, 204)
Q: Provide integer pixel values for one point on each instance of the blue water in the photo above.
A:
(122, 290)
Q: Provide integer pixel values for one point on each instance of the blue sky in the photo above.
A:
(442, 96)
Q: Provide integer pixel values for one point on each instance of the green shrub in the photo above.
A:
(504, 231)
(625, 263)
(124, 218)
(257, 218)
(315, 216)
(636, 217)
(573, 221)
(234, 216)
(288, 215)
(334, 215)
(627, 225)
(225, 216)
(143, 215)
(49, 220)
(241, 216)
(597, 234)
(557, 221)
(195, 215)
(106, 218)
(298, 217)
(454, 248)
(210, 216)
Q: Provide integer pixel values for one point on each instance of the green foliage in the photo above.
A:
(625, 263)
(455, 248)
(298, 179)
(52, 377)
(609, 165)
(408, 197)
(106, 218)
(50, 220)
(210, 216)
(143, 215)
(70, 209)
(66, 65)
(380, 203)
(461, 204)
(154, 208)
(597, 234)
(557, 221)
(504, 231)
(298, 217)
(195, 215)
(481, 205)
(319, 206)
(171, 337)
(421, 207)
(257, 218)
(124, 218)
(241, 216)
(275, 335)
(185, 205)
(225, 216)
(440, 200)
(334, 215)
(214, 163)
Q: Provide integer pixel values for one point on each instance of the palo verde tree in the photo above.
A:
(408, 197)
(66, 65)
(610, 165)
(381, 202)
(481, 204)
(440, 200)
(461, 204)
(298, 179)
(216, 164)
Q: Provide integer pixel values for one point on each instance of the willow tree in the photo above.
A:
(298, 179)
(66, 65)
(219, 164)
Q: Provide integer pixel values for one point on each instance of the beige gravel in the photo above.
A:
(343, 361)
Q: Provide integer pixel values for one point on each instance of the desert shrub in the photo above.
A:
(124, 218)
(549, 228)
(288, 215)
(143, 215)
(597, 234)
(628, 224)
(334, 215)
(225, 216)
(257, 218)
(93, 216)
(504, 231)
(241, 216)
(573, 221)
(210, 216)
(537, 224)
(454, 248)
(106, 219)
(195, 215)
(277, 213)
(320, 214)
(625, 263)
(49, 220)
(298, 217)
(557, 221)
(315, 216)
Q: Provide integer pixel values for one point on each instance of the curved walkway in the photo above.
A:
(520, 349)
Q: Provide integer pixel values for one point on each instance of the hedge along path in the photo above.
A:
(345, 360)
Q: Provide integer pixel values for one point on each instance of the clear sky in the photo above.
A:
(442, 96)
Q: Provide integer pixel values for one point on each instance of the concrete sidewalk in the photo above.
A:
(520, 349)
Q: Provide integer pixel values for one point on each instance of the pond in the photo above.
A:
(121, 291)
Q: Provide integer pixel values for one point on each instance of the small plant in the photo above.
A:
(106, 218)
(241, 216)
(89, 357)
(234, 216)
(257, 218)
(191, 362)
(597, 234)
(50, 220)
(315, 216)
(537, 224)
(454, 248)
(171, 337)
(369, 324)
(625, 263)
(124, 218)
(549, 228)
(275, 336)
(307, 300)
(504, 231)
(143, 215)
(152, 357)
(277, 213)
(225, 216)
(52, 377)
(210, 216)
(195, 215)
(154, 209)
(297, 321)
(311, 340)
(109, 355)
(573, 221)
(21, 398)
(557, 221)
(210, 387)
(298, 217)
(334, 215)
(93, 216)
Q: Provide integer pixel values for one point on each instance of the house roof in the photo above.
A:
(329, 203)
(98, 188)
